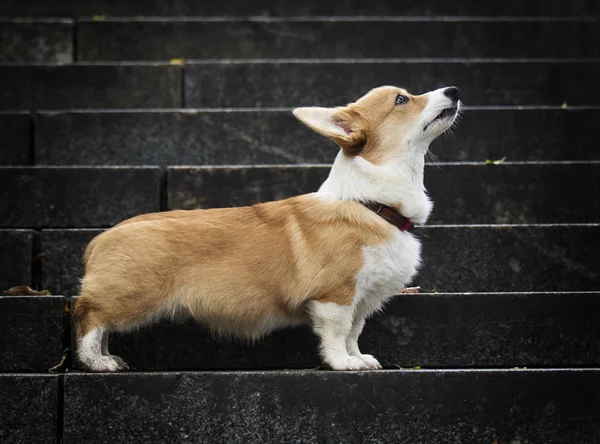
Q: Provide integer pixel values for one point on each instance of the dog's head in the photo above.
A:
(387, 123)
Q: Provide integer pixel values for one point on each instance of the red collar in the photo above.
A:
(392, 216)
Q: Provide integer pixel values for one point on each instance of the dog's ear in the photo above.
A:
(342, 125)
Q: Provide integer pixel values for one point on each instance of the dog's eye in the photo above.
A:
(400, 99)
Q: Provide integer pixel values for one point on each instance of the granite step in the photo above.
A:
(38, 197)
(463, 193)
(26, 40)
(17, 258)
(16, 139)
(410, 406)
(29, 408)
(453, 406)
(117, 85)
(310, 82)
(442, 330)
(69, 8)
(293, 82)
(143, 38)
(32, 333)
(230, 38)
(457, 258)
(274, 136)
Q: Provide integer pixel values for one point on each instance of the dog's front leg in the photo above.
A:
(333, 323)
(363, 310)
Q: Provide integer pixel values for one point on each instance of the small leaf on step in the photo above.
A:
(179, 62)
(564, 105)
(98, 18)
(495, 162)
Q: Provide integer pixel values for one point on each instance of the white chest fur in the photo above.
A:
(387, 268)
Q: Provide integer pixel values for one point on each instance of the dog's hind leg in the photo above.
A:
(91, 333)
(105, 351)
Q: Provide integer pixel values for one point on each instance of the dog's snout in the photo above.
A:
(452, 92)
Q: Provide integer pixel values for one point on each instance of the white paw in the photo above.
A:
(371, 361)
(105, 364)
(122, 364)
(350, 363)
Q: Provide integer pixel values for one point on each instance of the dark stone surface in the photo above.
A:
(426, 330)
(463, 194)
(16, 134)
(559, 406)
(180, 137)
(62, 259)
(26, 41)
(155, 40)
(187, 345)
(31, 332)
(292, 83)
(526, 134)
(29, 409)
(209, 187)
(293, 8)
(476, 259)
(269, 137)
(510, 194)
(78, 196)
(534, 258)
(16, 259)
(90, 86)
(487, 330)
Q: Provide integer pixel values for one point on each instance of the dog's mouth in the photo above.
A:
(446, 113)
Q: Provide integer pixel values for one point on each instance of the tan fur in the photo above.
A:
(374, 123)
(385, 121)
(255, 263)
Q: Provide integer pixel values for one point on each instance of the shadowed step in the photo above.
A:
(334, 38)
(317, 82)
(450, 330)
(462, 193)
(238, 137)
(295, 8)
(411, 407)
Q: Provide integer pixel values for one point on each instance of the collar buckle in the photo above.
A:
(408, 225)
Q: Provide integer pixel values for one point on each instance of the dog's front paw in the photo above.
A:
(371, 361)
(105, 364)
(122, 365)
(351, 363)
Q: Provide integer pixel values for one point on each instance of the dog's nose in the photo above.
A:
(452, 92)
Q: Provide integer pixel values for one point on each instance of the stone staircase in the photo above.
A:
(111, 109)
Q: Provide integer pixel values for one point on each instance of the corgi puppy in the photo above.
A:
(329, 259)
